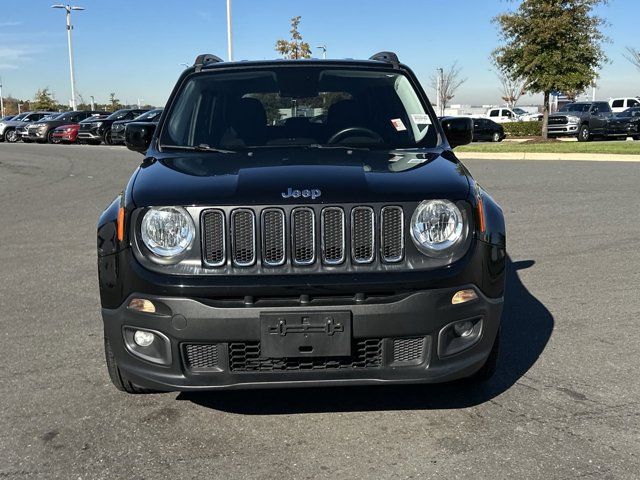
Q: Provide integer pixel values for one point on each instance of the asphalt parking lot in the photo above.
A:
(564, 403)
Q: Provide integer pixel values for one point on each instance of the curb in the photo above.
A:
(580, 157)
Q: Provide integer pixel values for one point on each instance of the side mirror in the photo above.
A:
(459, 130)
(138, 135)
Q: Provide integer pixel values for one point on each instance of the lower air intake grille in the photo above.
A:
(201, 356)
(408, 349)
(245, 357)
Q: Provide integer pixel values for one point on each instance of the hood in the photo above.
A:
(271, 177)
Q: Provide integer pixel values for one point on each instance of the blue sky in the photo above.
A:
(134, 47)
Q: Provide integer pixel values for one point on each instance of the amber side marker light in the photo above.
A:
(120, 224)
(481, 225)
(142, 305)
(463, 296)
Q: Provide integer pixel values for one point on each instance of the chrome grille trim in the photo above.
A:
(328, 256)
(393, 241)
(362, 241)
(301, 238)
(243, 239)
(213, 247)
(270, 229)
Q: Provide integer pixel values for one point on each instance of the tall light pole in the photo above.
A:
(68, 9)
(440, 105)
(324, 51)
(93, 102)
(229, 39)
(1, 100)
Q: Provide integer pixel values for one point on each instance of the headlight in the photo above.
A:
(573, 119)
(437, 226)
(34, 125)
(98, 124)
(167, 231)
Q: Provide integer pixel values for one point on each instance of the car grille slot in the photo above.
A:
(213, 238)
(333, 235)
(392, 234)
(303, 232)
(273, 237)
(559, 120)
(362, 235)
(243, 236)
(200, 356)
(246, 357)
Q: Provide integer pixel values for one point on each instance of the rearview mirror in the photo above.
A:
(459, 130)
(138, 135)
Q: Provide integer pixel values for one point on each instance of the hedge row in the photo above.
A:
(523, 129)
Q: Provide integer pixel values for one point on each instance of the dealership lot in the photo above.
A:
(564, 403)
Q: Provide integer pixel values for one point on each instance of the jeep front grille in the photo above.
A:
(333, 238)
(362, 235)
(273, 237)
(243, 236)
(303, 228)
(302, 236)
(392, 234)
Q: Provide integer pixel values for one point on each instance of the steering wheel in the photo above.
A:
(355, 132)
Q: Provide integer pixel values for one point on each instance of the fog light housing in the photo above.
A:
(463, 296)
(459, 336)
(143, 338)
(463, 329)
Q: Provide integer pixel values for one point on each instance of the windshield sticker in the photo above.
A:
(420, 119)
(398, 125)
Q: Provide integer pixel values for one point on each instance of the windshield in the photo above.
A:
(51, 116)
(148, 116)
(576, 107)
(118, 115)
(299, 106)
(519, 111)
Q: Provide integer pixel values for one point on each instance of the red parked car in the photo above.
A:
(69, 133)
(66, 133)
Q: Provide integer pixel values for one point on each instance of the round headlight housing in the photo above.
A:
(437, 227)
(167, 231)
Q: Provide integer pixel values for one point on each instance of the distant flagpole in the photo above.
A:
(229, 36)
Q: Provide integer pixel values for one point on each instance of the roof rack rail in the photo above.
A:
(388, 57)
(205, 58)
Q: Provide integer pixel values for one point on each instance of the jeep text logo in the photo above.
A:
(312, 193)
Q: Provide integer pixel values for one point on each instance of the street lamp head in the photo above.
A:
(58, 5)
(77, 8)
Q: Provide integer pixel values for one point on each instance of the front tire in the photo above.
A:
(118, 378)
(496, 137)
(584, 134)
(50, 138)
(107, 137)
(11, 136)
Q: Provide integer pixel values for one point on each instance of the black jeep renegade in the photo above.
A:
(299, 223)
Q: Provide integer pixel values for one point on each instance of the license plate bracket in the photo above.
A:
(290, 335)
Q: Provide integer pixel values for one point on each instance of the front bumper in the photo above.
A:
(567, 129)
(86, 135)
(417, 315)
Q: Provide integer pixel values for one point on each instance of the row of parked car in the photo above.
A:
(79, 126)
(591, 120)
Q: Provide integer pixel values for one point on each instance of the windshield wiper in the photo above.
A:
(203, 147)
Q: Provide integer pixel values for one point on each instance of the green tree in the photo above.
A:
(114, 103)
(43, 100)
(554, 44)
(294, 48)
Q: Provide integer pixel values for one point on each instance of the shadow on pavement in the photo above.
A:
(526, 329)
